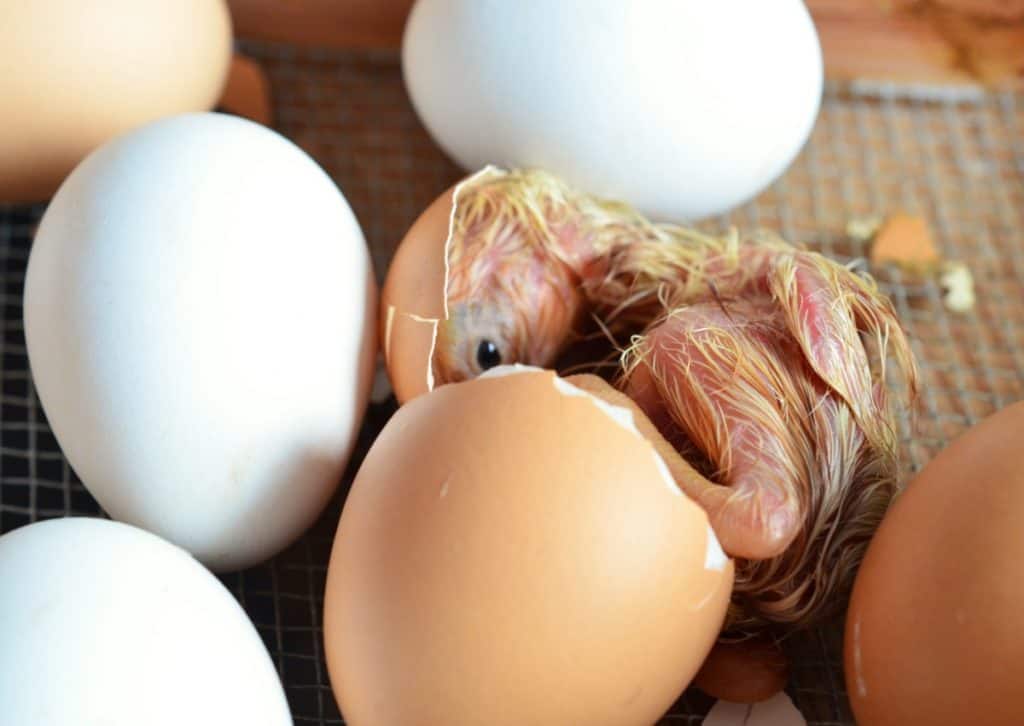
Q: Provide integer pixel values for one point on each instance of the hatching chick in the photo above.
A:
(752, 357)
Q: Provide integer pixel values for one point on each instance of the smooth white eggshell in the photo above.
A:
(102, 623)
(683, 108)
(199, 309)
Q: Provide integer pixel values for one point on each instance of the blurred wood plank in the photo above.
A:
(1005, 10)
(922, 41)
(919, 41)
(328, 23)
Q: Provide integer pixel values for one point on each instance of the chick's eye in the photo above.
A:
(487, 355)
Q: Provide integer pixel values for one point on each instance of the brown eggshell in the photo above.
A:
(412, 301)
(935, 630)
(510, 553)
(76, 74)
(750, 671)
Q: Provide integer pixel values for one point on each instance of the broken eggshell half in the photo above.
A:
(514, 550)
(414, 297)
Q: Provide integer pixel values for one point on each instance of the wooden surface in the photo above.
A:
(329, 23)
(921, 41)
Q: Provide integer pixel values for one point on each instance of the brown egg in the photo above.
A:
(76, 74)
(744, 672)
(247, 91)
(935, 630)
(514, 552)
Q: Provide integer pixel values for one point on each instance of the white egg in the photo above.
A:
(199, 310)
(684, 108)
(102, 623)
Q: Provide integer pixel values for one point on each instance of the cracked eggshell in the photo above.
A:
(512, 551)
(413, 299)
(935, 630)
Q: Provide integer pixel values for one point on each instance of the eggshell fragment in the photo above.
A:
(935, 631)
(513, 551)
(776, 711)
(957, 284)
(905, 240)
(863, 229)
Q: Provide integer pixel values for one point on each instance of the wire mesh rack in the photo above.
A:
(958, 161)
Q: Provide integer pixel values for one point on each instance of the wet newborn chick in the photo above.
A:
(764, 363)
